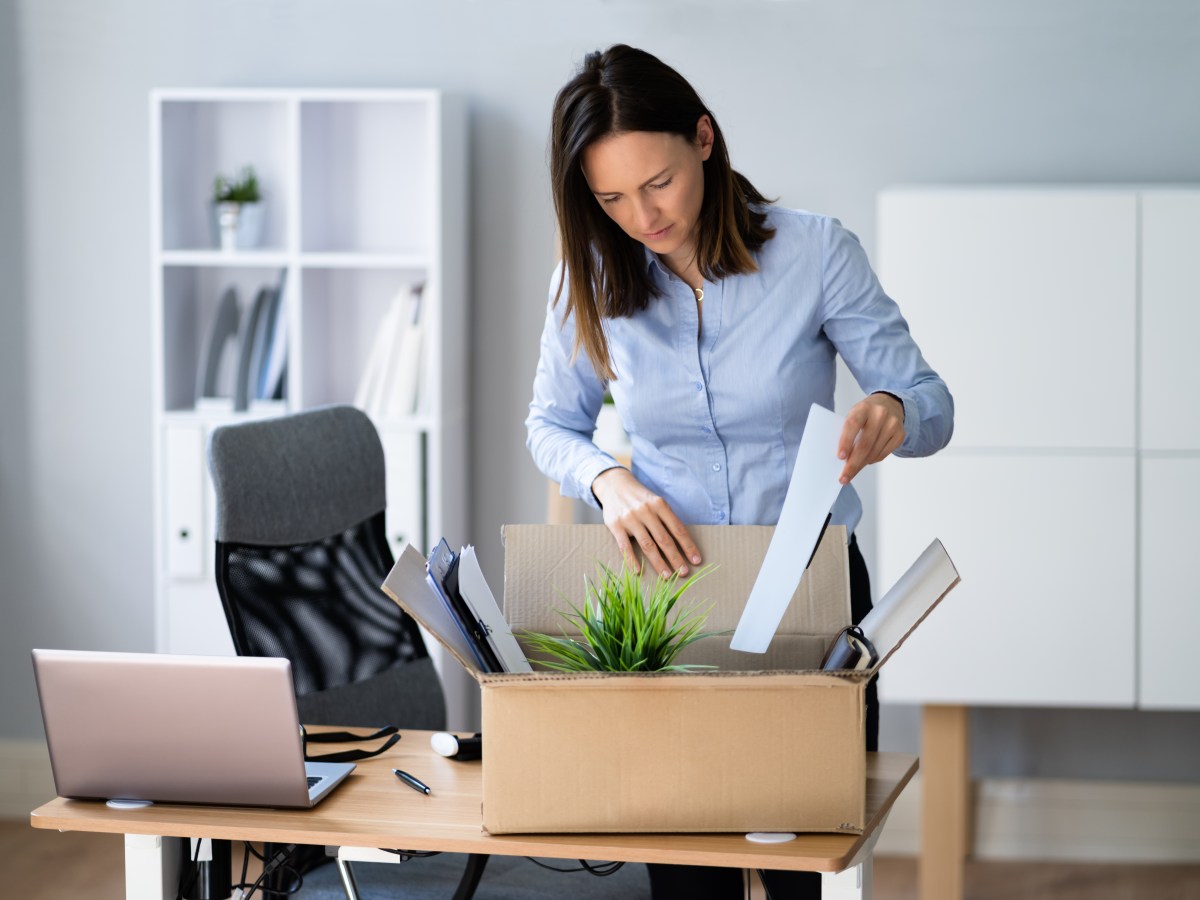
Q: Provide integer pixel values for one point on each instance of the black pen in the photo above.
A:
(411, 782)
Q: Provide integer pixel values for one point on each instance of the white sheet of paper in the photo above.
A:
(813, 489)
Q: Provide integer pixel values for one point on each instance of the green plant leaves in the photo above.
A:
(626, 628)
(243, 188)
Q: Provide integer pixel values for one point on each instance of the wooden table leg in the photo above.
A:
(946, 802)
(560, 510)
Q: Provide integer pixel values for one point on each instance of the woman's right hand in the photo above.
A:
(634, 513)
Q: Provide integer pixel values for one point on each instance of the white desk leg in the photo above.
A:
(151, 867)
(853, 883)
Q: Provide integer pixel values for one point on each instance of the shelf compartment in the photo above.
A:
(342, 311)
(203, 139)
(365, 170)
(191, 296)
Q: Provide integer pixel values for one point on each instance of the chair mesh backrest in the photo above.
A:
(319, 605)
(301, 549)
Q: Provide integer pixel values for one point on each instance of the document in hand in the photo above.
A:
(811, 492)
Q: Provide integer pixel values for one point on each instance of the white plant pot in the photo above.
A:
(237, 226)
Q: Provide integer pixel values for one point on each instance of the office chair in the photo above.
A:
(300, 555)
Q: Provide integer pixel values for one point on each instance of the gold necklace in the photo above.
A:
(699, 294)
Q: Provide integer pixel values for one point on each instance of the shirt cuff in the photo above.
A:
(587, 472)
(912, 422)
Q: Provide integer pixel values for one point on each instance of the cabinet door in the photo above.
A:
(406, 490)
(1170, 320)
(195, 620)
(183, 513)
(1170, 588)
(1025, 302)
(1044, 614)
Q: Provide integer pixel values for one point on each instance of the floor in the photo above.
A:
(47, 865)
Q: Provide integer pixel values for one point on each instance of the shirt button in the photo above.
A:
(721, 516)
(706, 429)
(699, 386)
(716, 467)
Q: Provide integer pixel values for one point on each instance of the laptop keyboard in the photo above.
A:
(315, 779)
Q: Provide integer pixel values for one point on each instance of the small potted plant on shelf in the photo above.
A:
(238, 209)
(626, 626)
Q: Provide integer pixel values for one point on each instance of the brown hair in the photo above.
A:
(621, 90)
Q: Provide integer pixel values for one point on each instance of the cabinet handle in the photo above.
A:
(184, 534)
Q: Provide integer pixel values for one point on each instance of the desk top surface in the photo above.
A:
(372, 808)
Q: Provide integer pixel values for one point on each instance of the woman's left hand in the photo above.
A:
(874, 428)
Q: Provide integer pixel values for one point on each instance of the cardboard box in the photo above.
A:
(764, 743)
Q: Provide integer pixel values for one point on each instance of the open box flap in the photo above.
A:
(406, 585)
(911, 599)
(545, 567)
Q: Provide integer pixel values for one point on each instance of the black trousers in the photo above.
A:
(687, 882)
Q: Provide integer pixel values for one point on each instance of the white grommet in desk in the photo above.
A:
(128, 804)
(770, 837)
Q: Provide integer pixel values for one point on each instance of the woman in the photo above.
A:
(714, 319)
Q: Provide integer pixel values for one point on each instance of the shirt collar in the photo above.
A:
(652, 260)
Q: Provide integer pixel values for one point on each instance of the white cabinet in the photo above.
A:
(1170, 462)
(1043, 615)
(1061, 319)
(183, 500)
(1170, 387)
(1024, 303)
(1170, 584)
(364, 196)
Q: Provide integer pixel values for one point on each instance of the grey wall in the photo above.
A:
(824, 102)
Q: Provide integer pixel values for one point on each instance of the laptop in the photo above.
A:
(128, 727)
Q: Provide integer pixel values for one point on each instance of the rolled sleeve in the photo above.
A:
(567, 395)
(873, 338)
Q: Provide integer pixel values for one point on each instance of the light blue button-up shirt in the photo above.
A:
(715, 411)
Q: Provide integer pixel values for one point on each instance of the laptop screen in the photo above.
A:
(169, 728)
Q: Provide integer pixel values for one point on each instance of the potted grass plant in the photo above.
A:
(238, 209)
(625, 626)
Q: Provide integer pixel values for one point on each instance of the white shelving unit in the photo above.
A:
(365, 196)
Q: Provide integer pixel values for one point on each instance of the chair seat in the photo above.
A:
(407, 692)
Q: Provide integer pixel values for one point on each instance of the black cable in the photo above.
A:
(245, 864)
(599, 870)
(279, 861)
(411, 854)
(294, 886)
(267, 891)
(253, 887)
(242, 883)
(191, 870)
(763, 878)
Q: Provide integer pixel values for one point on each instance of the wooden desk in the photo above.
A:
(371, 809)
